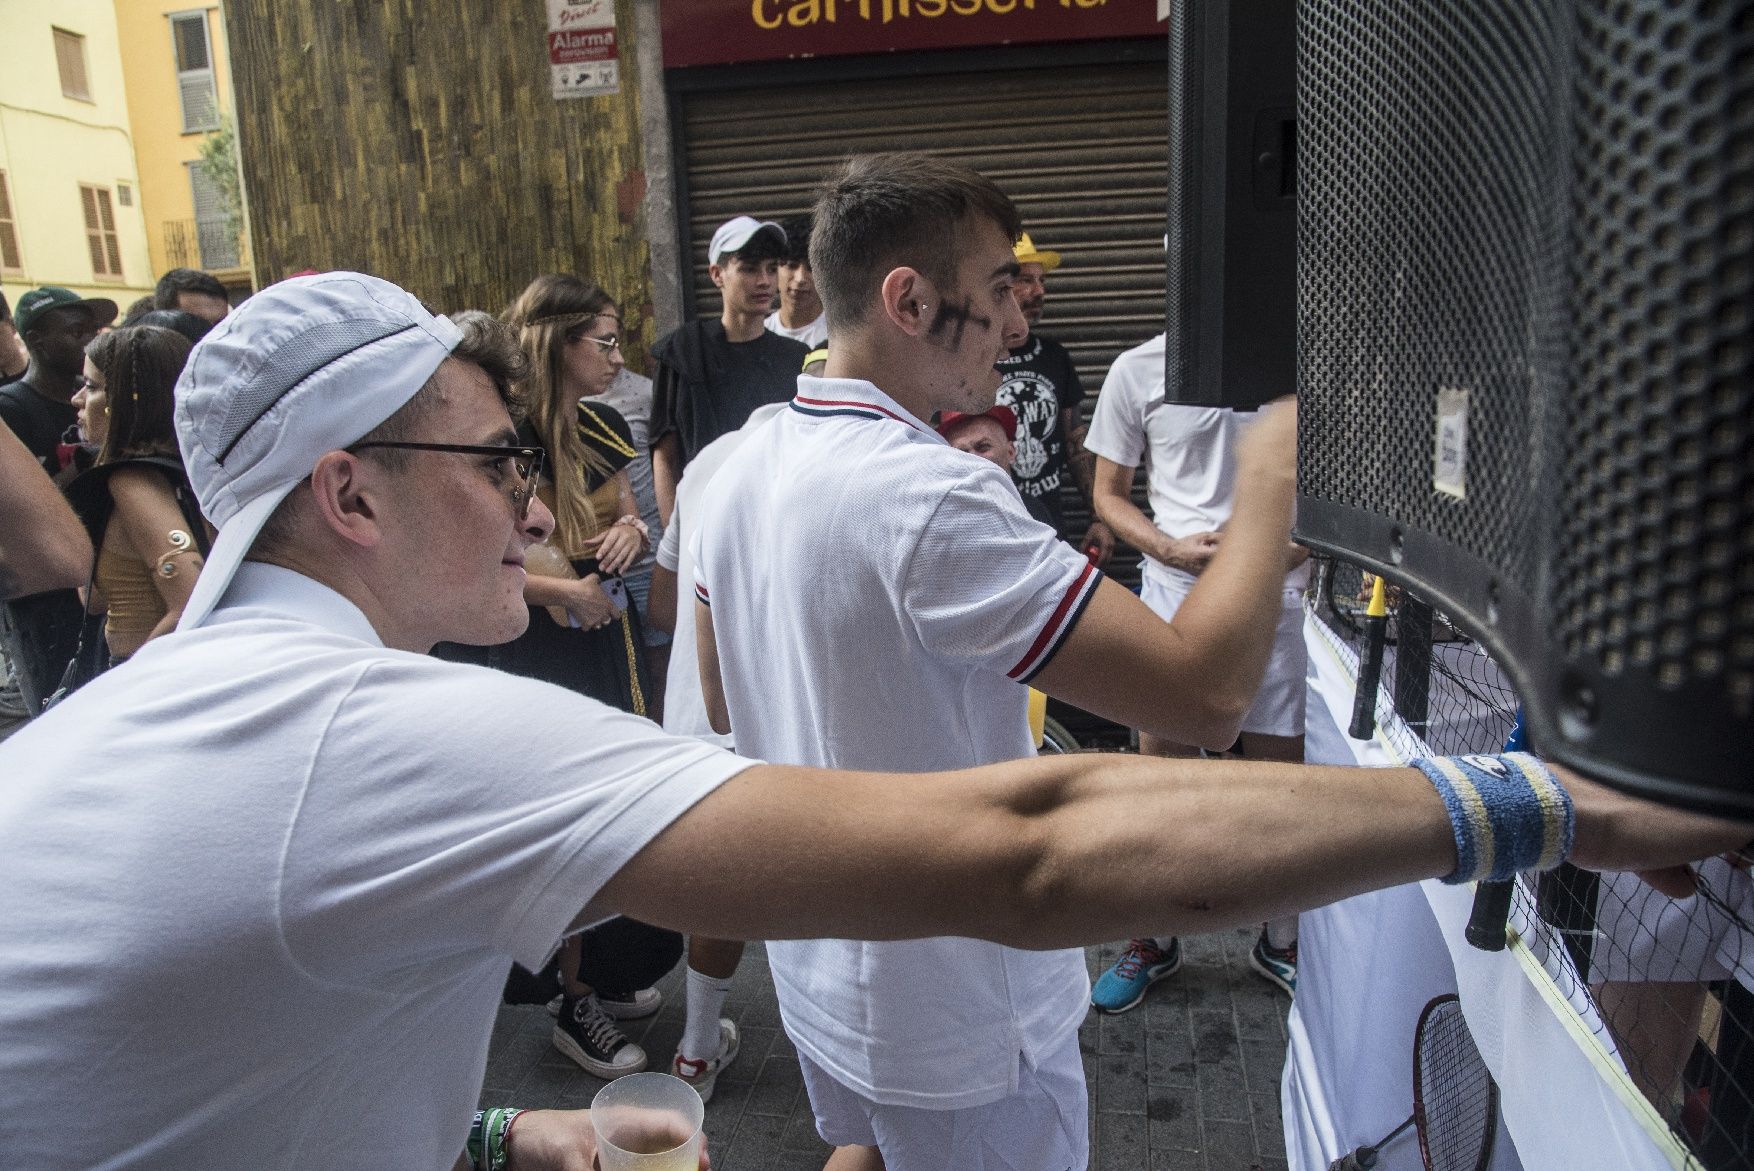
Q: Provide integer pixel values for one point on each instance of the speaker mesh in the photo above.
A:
(1428, 258)
(1659, 496)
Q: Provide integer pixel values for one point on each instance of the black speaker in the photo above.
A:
(1526, 354)
(1232, 248)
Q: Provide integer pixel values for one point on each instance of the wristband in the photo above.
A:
(1508, 813)
(636, 524)
(488, 1135)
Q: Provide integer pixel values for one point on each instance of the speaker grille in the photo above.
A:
(1428, 258)
(1655, 546)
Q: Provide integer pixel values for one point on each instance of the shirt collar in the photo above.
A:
(259, 589)
(855, 398)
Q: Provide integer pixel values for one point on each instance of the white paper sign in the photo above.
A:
(584, 58)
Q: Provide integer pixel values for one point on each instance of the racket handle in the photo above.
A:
(1363, 725)
(1487, 925)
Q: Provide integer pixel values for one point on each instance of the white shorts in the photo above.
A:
(1278, 706)
(1043, 1126)
(1645, 936)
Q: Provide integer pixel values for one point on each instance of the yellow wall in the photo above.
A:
(149, 63)
(50, 143)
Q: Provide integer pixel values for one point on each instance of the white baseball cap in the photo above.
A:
(736, 232)
(302, 368)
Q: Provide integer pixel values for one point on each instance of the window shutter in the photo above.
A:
(70, 59)
(213, 232)
(9, 254)
(100, 231)
(195, 72)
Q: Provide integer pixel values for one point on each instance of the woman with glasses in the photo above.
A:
(136, 501)
(585, 632)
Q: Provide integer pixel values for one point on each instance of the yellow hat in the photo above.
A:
(1027, 253)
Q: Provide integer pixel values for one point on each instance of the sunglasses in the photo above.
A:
(525, 461)
(606, 344)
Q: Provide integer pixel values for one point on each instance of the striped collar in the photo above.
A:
(824, 398)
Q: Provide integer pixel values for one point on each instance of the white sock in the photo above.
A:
(1282, 933)
(706, 997)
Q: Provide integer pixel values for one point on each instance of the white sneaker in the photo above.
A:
(702, 1074)
(641, 1003)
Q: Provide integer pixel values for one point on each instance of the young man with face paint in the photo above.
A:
(712, 373)
(868, 597)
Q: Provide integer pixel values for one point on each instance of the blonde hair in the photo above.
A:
(547, 315)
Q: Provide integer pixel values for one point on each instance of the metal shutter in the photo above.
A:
(1082, 150)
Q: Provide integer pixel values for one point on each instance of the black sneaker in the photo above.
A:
(586, 1034)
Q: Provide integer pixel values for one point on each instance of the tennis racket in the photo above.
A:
(1376, 626)
(1489, 921)
(1455, 1100)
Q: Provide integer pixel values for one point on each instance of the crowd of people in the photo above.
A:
(392, 605)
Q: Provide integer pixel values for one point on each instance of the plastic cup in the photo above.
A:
(648, 1122)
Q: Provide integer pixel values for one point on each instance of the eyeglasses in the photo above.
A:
(526, 461)
(606, 344)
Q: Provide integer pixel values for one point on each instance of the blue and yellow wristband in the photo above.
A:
(1509, 814)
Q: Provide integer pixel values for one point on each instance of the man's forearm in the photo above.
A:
(1129, 523)
(1021, 853)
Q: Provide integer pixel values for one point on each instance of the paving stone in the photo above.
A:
(1229, 1146)
(1119, 1139)
(776, 1088)
(755, 1146)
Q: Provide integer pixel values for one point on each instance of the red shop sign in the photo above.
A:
(718, 32)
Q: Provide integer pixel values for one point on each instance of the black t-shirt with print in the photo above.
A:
(1038, 381)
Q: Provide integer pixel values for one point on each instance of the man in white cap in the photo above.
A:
(264, 880)
(712, 373)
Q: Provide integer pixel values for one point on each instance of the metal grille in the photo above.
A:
(1428, 258)
(1657, 533)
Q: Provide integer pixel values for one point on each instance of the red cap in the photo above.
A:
(999, 413)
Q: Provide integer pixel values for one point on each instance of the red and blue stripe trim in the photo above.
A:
(1059, 625)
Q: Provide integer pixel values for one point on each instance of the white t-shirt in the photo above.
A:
(1189, 453)
(878, 597)
(812, 335)
(684, 705)
(263, 883)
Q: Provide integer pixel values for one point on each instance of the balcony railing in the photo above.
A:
(206, 244)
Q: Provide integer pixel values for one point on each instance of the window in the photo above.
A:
(195, 72)
(9, 254)
(70, 57)
(100, 232)
(214, 236)
(124, 195)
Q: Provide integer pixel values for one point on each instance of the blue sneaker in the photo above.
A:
(1278, 965)
(1140, 966)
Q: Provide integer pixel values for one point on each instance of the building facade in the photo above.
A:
(70, 198)
(178, 75)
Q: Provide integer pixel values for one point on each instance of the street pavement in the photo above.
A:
(1188, 1081)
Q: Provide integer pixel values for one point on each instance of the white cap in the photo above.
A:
(302, 368)
(736, 232)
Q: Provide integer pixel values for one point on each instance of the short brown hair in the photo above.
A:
(882, 211)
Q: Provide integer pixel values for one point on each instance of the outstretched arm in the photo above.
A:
(42, 544)
(1192, 680)
(1021, 853)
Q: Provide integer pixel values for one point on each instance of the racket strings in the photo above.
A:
(1455, 1101)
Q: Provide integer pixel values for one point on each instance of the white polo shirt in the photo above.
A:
(878, 599)
(1189, 453)
(263, 883)
(684, 704)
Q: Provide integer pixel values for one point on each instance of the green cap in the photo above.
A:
(39, 301)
